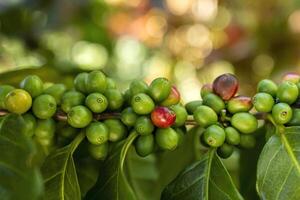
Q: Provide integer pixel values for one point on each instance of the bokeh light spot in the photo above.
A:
(89, 56)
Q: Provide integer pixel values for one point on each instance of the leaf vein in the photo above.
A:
(285, 179)
(219, 188)
(265, 175)
(290, 152)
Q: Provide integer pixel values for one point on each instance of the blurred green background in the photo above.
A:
(188, 41)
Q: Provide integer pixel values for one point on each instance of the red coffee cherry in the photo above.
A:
(163, 117)
(292, 77)
(173, 98)
(226, 86)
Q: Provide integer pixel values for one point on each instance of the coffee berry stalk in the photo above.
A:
(55, 114)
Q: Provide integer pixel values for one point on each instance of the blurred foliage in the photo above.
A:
(190, 42)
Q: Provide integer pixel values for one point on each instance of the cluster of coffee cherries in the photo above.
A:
(156, 114)
(225, 116)
(280, 101)
(55, 115)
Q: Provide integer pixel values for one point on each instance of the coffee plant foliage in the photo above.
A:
(83, 138)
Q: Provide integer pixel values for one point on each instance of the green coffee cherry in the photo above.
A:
(295, 121)
(115, 99)
(180, 133)
(287, 92)
(225, 151)
(96, 102)
(298, 85)
(44, 106)
(247, 141)
(30, 122)
(46, 85)
(166, 138)
(45, 128)
(4, 90)
(142, 104)
(181, 115)
(206, 89)
(191, 106)
(263, 102)
(97, 133)
(71, 99)
(46, 143)
(96, 82)
(138, 86)
(117, 130)
(79, 117)
(203, 142)
(80, 82)
(144, 125)
(57, 91)
(67, 131)
(98, 152)
(215, 102)
(33, 85)
(239, 104)
(111, 84)
(128, 116)
(205, 116)
(244, 122)
(232, 136)
(160, 89)
(144, 145)
(282, 113)
(214, 136)
(18, 101)
(267, 86)
(127, 97)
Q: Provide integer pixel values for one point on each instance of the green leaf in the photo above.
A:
(206, 179)
(112, 182)
(19, 176)
(143, 174)
(150, 175)
(59, 173)
(87, 172)
(248, 165)
(278, 174)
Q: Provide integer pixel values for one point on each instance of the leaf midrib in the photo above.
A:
(290, 151)
(219, 188)
(123, 153)
(69, 152)
(210, 157)
(283, 183)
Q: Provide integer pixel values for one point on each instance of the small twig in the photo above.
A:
(104, 116)
(3, 113)
(261, 115)
(61, 116)
(191, 123)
